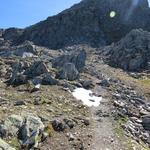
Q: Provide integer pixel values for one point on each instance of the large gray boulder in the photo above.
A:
(68, 72)
(132, 52)
(26, 127)
(77, 58)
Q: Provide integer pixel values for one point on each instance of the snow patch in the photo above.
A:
(87, 97)
(27, 54)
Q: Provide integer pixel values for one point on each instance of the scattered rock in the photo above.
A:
(19, 103)
(105, 83)
(70, 137)
(58, 125)
(36, 88)
(86, 121)
(87, 84)
(70, 123)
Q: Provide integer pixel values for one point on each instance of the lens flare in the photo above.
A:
(112, 14)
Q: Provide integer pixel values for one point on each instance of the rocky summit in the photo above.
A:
(79, 80)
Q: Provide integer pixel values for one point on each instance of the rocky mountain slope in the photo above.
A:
(132, 52)
(88, 22)
(38, 108)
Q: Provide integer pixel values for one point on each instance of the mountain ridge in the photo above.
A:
(88, 22)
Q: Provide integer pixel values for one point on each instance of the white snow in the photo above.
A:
(27, 54)
(87, 97)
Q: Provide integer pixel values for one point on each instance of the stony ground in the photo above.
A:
(99, 128)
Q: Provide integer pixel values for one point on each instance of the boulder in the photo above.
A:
(3, 132)
(34, 122)
(105, 83)
(146, 122)
(19, 103)
(58, 125)
(49, 80)
(31, 131)
(68, 72)
(12, 124)
(36, 69)
(77, 58)
(87, 84)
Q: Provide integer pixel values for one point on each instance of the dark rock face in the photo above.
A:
(68, 72)
(89, 22)
(12, 34)
(77, 58)
(132, 53)
(9, 36)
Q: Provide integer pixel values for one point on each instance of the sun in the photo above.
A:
(112, 14)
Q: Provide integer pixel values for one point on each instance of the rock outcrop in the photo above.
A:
(27, 49)
(132, 52)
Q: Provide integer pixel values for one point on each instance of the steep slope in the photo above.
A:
(90, 22)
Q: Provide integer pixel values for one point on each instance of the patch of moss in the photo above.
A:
(145, 82)
(14, 143)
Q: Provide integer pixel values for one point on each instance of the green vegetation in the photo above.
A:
(14, 143)
(120, 133)
(145, 81)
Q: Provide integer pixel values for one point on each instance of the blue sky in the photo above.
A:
(22, 13)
